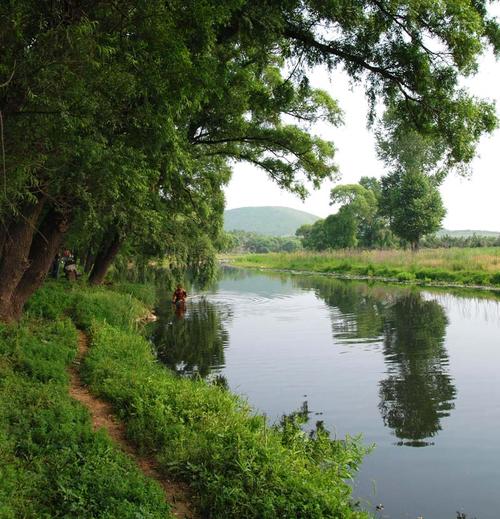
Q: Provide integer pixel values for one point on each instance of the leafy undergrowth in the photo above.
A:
(53, 464)
(238, 465)
(121, 304)
(468, 267)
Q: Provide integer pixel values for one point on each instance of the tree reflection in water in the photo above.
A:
(192, 341)
(418, 391)
(358, 309)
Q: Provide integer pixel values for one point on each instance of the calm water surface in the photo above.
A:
(416, 372)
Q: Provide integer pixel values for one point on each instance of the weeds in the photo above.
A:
(456, 266)
(237, 464)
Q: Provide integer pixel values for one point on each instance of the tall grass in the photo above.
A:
(475, 266)
(237, 464)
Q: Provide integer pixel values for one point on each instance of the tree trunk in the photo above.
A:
(14, 261)
(3, 238)
(44, 247)
(89, 262)
(105, 255)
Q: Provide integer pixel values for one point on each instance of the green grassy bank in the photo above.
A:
(52, 463)
(236, 463)
(467, 267)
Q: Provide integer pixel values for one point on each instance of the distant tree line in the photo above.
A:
(446, 241)
(396, 211)
(401, 209)
(244, 241)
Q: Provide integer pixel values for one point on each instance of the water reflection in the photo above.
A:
(408, 327)
(358, 310)
(418, 392)
(367, 358)
(191, 340)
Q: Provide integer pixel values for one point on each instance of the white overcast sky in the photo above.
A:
(471, 203)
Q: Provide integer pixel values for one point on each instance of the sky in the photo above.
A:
(471, 203)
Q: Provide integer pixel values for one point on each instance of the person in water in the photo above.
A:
(179, 296)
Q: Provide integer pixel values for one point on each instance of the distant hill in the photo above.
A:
(271, 221)
(466, 233)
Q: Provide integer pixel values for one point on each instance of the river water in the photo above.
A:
(414, 371)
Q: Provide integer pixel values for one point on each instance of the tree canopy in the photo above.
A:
(412, 202)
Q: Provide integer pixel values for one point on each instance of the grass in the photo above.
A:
(53, 464)
(475, 266)
(237, 464)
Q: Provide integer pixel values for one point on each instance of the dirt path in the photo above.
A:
(102, 416)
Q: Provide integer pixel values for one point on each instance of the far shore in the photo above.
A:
(475, 269)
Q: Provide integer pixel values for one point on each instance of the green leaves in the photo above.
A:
(413, 205)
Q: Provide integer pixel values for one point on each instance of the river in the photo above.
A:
(414, 371)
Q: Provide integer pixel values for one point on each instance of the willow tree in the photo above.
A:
(108, 108)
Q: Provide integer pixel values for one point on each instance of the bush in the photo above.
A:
(495, 279)
(405, 276)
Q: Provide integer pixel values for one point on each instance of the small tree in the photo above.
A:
(412, 202)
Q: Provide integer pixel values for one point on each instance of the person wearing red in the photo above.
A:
(179, 296)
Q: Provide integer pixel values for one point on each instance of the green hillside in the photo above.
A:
(273, 221)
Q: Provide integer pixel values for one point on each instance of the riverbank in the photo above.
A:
(235, 463)
(473, 268)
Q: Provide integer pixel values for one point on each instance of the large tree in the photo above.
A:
(410, 196)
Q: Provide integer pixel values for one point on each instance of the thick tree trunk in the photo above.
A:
(44, 247)
(105, 255)
(14, 261)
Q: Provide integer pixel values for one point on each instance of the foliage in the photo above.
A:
(53, 464)
(358, 221)
(446, 240)
(410, 197)
(413, 205)
(122, 119)
(241, 241)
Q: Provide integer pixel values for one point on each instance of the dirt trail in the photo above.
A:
(102, 416)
